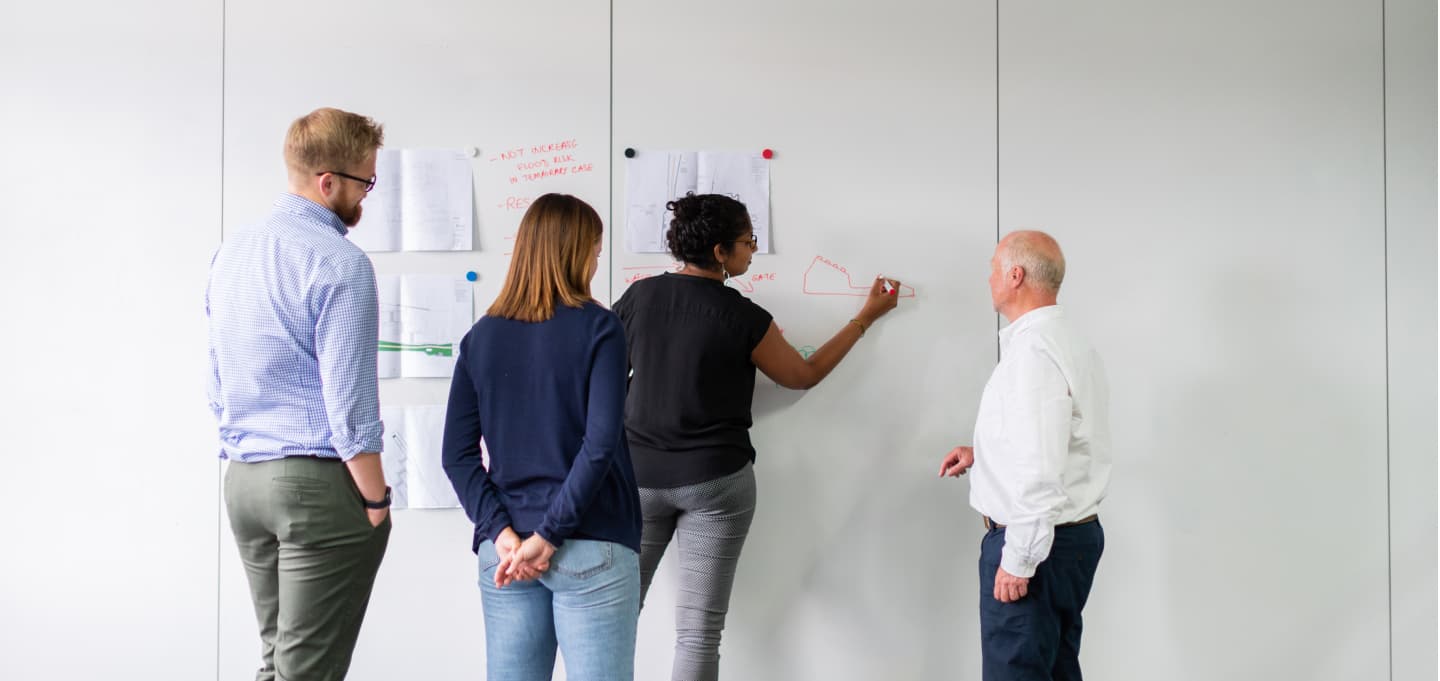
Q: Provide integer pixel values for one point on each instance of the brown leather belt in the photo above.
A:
(992, 525)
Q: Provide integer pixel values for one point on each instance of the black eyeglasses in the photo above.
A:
(369, 184)
(754, 242)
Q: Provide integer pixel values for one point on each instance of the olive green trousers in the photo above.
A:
(311, 555)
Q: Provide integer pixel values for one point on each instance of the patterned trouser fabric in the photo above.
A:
(708, 522)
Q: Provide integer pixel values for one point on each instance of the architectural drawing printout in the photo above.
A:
(411, 457)
(422, 319)
(654, 178)
(422, 201)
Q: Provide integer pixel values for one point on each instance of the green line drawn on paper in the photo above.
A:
(432, 349)
(806, 350)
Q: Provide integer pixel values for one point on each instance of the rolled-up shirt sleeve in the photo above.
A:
(1037, 433)
(347, 331)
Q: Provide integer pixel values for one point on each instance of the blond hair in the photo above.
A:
(554, 259)
(329, 140)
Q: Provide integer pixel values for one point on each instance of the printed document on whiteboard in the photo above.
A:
(411, 457)
(421, 202)
(654, 178)
(743, 176)
(422, 319)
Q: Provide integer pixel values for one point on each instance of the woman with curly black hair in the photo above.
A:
(694, 345)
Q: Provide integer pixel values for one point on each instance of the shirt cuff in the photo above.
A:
(350, 445)
(495, 527)
(547, 532)
(1015, 565)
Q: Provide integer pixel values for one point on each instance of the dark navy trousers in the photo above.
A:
(1037, 638)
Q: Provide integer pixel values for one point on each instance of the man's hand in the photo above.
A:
(959, 460)
(1009, 588)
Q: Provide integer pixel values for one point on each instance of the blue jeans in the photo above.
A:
(1037, 638)
(587, 603)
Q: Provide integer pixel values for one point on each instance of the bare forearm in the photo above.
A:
(782, 363)
(829, 355)
(369, 476)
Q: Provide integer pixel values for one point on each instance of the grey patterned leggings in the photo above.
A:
(709, 521)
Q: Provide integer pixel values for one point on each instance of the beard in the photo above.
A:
(350, 216)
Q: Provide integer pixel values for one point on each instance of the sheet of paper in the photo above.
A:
(392, 455)
(411, 458)
(436, 206)
(388, 362)
(744, 176)
(422, 319)
(379, 228)
(652, 179)
(436, 311)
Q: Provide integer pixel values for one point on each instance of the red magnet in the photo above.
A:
(767, 154)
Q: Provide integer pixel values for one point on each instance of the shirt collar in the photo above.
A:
(1029, 319)
(294, 204)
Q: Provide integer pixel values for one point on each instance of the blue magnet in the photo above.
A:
(471, 276)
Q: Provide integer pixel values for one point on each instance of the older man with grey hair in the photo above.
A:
(1042, 464)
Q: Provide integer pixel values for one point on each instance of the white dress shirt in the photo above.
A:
(1042, 437)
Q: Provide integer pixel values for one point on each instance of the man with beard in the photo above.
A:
(294, 324)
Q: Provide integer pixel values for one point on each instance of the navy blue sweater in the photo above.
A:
(549, 400)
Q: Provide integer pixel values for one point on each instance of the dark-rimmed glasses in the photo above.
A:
(369, 184)
(754, 242)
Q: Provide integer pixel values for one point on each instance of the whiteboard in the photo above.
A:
(1213, 170)
(895, 153)
(505, 81)
(884, 163)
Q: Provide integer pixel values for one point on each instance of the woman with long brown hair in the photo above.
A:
(557, 516)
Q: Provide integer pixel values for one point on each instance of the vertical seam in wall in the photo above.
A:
(219, 465)
(997, 159)
(1385, 244)
(610, 290)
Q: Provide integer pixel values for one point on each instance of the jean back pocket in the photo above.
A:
(581, 558)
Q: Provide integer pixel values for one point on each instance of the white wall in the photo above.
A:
(109, 210)
(859, 564)
(1410, 316)
(1217, 185)
(1220, 175)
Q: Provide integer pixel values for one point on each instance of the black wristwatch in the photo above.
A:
(377, 505)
